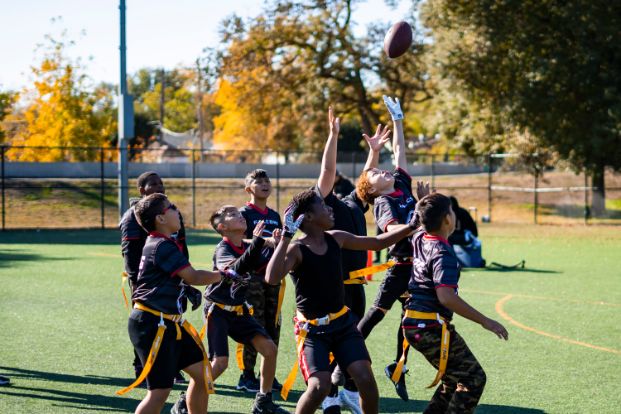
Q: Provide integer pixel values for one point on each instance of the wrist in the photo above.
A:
(287, 235)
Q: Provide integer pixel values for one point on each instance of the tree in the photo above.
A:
(7, 100)
(547, 69)
(61, 112)
(303, 55)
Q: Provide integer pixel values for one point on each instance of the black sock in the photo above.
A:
(370, 319)
(249, 373)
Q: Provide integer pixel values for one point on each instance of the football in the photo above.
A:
(398, 39)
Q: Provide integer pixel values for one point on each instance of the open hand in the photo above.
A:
(422, 189)
(497, 328)
(333, 123)
(291, 225)
(381, 137)
(277, 236)
(394, 107)
(258, 229)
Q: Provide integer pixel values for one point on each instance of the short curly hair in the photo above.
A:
(363, 188)
(302, 202)
(148, 208)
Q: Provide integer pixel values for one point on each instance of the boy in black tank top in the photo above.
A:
(324, 324)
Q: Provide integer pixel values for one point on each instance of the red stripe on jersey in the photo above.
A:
(180, 269)
(449, 286)
(131, 238)
(303, 364)
(388, 224)
(396, 193)
(238, 249)
(254, 207)
(439, 238)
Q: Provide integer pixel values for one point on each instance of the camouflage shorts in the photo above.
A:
(464, 379)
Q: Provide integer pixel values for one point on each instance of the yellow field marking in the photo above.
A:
(98, 254)
(519, 295)
(505, 316)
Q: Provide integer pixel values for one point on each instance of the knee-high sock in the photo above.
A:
(371, 318)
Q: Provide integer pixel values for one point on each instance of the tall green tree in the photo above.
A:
(546, 69)
(298, 56)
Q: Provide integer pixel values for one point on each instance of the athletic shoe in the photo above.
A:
(180, 406)
(263, 404)
(248, 383)
(4, 381)
(400, 386)
(180, 379)
(331, 405)
(337, 377)
(350, 401)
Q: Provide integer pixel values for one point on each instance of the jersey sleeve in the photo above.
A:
(250, 260)
(384, 213)
(170, 259)
(445, 270)
(131, 244)
(223, 257)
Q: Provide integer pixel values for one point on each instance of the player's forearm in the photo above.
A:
(398, 144)
(372, 160)
(328, 166)
(453, 302)
(248, 261)
(395, 233)
(200, 277)
(275, 270)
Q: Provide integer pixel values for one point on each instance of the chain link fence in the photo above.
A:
(81, 190)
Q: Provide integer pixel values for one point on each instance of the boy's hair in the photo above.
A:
(148, 208)
(303, 202)
(363, 188)
(217, 216)
(431, 210)
(254, 175)
(141, 181)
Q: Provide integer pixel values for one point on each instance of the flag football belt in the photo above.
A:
(358, 277)
(124, 277)
(239, 310)
(444, 345)
(157, 342)
(303, 326)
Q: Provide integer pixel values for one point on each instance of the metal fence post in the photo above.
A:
(278, 181)
(102, 187)
(587, 209)
(536, 194)
(433, 172)
(2, 150)
(489, 187)
(194, 188)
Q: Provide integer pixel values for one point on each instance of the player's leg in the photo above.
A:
(362, 375)
(255, 296)
(154, 401)
(219, 324)
(196, 397)
(267, 348)
(273, 319)
(317, 388)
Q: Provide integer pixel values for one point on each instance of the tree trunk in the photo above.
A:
(598, 201)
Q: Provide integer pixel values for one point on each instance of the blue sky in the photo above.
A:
(160, 33)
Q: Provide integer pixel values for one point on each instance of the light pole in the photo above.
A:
(126, 120)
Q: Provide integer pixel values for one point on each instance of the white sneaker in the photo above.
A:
(330, 402)
(350, 400)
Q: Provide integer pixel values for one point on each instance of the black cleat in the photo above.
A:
(400, 386)
(248, 383)
(263, 404)
(180, 406)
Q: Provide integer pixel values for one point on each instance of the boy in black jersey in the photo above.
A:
(165, 342)
(348, 214)
(227, 312)
(263, 297)
(394, 202)
(133, 238)
(433, 299)
(323, 323)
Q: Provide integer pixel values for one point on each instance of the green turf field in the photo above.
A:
(65, 346)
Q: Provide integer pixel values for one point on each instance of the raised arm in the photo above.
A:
(325, 183)
(398, 139)
(376, 143)
(353, 242)
(285, 258)
(196, 277)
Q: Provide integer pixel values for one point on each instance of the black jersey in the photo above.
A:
(349, 217)
(158, 286)
(244, 260)
(434, 265)
(318, 281)
(271, 218)
(397, 208)
(133, 238)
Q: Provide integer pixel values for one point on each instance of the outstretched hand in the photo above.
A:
(394, 107)
(333, 123)
(381, 137)
(422, 189)
(233, 276)
(258, 229)
(291, 225)
(497, 328)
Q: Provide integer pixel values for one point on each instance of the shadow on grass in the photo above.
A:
(15, 257)
(94, 237)
(95, 402)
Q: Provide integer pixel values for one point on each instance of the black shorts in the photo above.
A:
(394, 285)
(341, 337)
(222, 324)
(173, 355)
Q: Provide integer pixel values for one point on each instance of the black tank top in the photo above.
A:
(318, 281)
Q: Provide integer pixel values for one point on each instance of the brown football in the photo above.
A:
(398, 39)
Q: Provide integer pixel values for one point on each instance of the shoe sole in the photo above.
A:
(244, 388)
